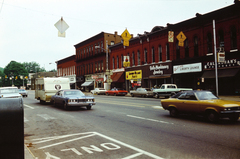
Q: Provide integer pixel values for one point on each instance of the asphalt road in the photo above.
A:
(124, 127)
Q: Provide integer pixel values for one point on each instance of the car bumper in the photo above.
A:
(230, 112)
(81, 104)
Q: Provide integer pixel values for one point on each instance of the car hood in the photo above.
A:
(225, 103)
(13, 95)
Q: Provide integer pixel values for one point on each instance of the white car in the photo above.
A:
(98, 91)
(9, 92)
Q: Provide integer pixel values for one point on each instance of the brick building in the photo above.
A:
(91, 61)
(155, 60)
(66, 68)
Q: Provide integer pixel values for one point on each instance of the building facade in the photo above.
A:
(91, 60)
(183, 53)
(67, 68)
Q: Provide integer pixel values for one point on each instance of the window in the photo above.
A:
(99, 66)
(84, 53)
(167, 52)
(153, 55)
(195, 39)
(113, 63)
(145, 56)
(96, 67)
(233, 38)
(221, 38)
(102, 65)
(209, 43)
(160, 52)
(139, 58)
(101, 46)
(186, 48)
(177, 50)
(133, 59)
(95, 49)
(117, 62)
(122, 60)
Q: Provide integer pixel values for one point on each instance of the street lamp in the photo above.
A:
(107, 71)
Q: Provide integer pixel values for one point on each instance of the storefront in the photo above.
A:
(149, 76)
(188, 75)
(228, 76)
(93, 81)
(118, 78)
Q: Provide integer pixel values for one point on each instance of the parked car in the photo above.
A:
(72, 98)
(201, 102)
(23, 92)
(9, 92)
(117, 91)
(143, 92)
(98, 91)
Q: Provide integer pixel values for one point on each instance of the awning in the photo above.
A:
(118, 77)
(87, 83)
(221, 73)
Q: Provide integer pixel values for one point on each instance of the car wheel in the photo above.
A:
(234, 117)
(114, 94)
(173, 112)
(54, 103)
(156, 96)
(65, 106)
(89, 107)
(107, 94)
(42, 102)
(132, 95)
(212, 116)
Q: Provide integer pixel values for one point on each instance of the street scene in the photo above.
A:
(120, 79)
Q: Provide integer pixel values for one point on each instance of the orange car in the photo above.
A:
(203, 103)
(117, 91)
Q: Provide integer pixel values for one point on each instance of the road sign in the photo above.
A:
(62, 26)
(181, 37)
(109, 80)
(126, 37)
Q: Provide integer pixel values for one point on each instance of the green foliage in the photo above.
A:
(14, 71)
(33, 67)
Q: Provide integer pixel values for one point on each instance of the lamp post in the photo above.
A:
(107, 71)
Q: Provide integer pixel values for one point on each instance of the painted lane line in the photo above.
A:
(59, 143)
(157, 107)
(133, 156)
(46, 116)
(159, 121)
(28, 106)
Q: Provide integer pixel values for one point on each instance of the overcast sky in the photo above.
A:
(27, 31)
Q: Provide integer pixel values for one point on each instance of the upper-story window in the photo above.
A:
(221, 38)
(96, 66)
(122, 60)
(95, 48)
(139, 57)
(177, 50)
(167, 52)
(160, 52)
(233, 38)
(209, 43)
(195, 39)
(98, 48)
(101, 46)
(153, 55)
(117, 62)
(145, 56)
(133, 59)
(84, 53)
(113, 63)
(186, 48)
(89, 50)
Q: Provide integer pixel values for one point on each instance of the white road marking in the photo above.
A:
(133, 156)
(28, 106)
(157, 107)
(25, 119)
(159, 121)
(46, 116)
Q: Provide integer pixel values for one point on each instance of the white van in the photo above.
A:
(47, 87)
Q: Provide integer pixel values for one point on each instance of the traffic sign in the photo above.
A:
(126, 37)
(181, 37)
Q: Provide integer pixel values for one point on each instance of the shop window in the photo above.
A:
(195, 46)
(233, 38)
(186, 48)
(160, 52)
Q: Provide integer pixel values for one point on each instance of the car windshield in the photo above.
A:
(205, 95)
(8, 90)
(21, 90)
(74, 93)
(120, 89)
(147, 89)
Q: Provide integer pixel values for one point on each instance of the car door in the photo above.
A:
(188, 103)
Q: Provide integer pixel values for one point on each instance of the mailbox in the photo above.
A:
(11, 128)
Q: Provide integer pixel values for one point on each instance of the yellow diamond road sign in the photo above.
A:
(126, 35)
(181, 37)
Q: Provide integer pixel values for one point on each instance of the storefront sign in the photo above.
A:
(195, 67)
(225, 64)
(131, 75)
(158, 69)
(118, 70)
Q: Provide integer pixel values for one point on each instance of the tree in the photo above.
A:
(14, 72)
(2, 77)
(33, 67)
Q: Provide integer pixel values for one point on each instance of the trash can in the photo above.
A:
(11, 128)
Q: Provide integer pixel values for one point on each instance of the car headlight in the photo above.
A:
(227, 109)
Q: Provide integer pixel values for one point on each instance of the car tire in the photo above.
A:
(173, 112)
(234, 117)
(54, 103)
(115, 94)
(107, 94)
(65, 106)
(132, 95)
(89, 107)
(156, 96)
(212, 116)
